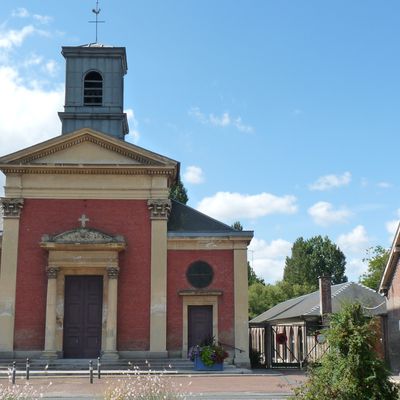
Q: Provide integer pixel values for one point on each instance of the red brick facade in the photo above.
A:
(129, 218)
(222, 264)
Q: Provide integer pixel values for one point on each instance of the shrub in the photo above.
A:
(351, 369)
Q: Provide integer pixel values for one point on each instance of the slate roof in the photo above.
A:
(307, 306)
(186, 221)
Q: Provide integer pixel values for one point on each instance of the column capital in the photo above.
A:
(52, 272)
(11, 207)
(159, 208)
(112, 272)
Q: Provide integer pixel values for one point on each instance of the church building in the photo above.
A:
(96, 260)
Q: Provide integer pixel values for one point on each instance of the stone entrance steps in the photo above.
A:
(81, 366)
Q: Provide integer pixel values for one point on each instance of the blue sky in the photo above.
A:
(283, 114)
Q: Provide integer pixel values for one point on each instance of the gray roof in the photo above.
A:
(186, 221)
(308, 307)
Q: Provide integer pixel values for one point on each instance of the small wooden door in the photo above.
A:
(200, 326)
(83, 316)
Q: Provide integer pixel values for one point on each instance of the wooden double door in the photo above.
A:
(200, 324)
(83, 307)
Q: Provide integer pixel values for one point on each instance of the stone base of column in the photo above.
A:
(242, 360)
(50, 355)
(110, 355)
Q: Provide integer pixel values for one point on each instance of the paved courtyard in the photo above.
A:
(269, 385)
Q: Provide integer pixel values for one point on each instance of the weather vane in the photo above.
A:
(96, 11)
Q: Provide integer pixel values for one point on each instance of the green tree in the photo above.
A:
(237, 225)
(252, 276)
(351, 369)
(263, 297)
(377, 258)
(178, 192)
(312, 258)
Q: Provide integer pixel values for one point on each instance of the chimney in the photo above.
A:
(325, 297)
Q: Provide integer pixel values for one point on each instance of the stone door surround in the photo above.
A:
(81, 251)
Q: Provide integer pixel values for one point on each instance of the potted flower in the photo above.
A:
(208, 356)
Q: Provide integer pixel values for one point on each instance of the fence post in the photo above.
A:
(91, 371)
(27, 369)
(14, 372)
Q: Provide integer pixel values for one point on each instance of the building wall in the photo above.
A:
(222, 263)
(129, 218)
(393, 321)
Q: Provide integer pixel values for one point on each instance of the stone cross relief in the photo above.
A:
(83, 219)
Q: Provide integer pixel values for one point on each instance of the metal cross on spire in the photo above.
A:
(96, 11)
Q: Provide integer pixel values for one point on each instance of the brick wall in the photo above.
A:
(222, 264)
(393, 321)
(129, 218)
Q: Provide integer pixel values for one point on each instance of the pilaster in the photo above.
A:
(8, 273)
(241, 307)
(159, 212)
(110, 351)
(50, 350)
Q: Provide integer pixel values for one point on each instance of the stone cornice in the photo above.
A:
(88, 169)
(11, 207)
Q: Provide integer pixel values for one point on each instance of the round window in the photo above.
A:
(200, 274)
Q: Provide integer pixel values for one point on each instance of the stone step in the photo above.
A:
(164, 365)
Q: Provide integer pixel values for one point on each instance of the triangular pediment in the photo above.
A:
(86, 147)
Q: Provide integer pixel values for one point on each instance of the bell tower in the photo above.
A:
(94, 89)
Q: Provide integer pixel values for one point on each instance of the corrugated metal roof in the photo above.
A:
(308, 305)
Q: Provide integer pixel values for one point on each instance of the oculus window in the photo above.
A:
(93, 89)
(199, 274)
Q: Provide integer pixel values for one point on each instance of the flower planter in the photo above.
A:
(200, 366)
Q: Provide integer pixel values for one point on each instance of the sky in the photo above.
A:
(284, 114)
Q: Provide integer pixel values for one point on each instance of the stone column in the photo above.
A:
(159, 212)
(50, 336)
(241, 306)
(8, 273)
(110, 350)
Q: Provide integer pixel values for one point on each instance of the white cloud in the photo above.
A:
(391, 226)
(356, 241)
(355, 267)
(229, 206)
(24, 13)
(51, 67)
(133, 125)
(331, 181)
(42, 19)
(14, 38)
(193, 175)
(28, 114)
(385, 185)
(242, 127)
(268, 259)
(324, 214)
(222, 121)
(20, 13)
